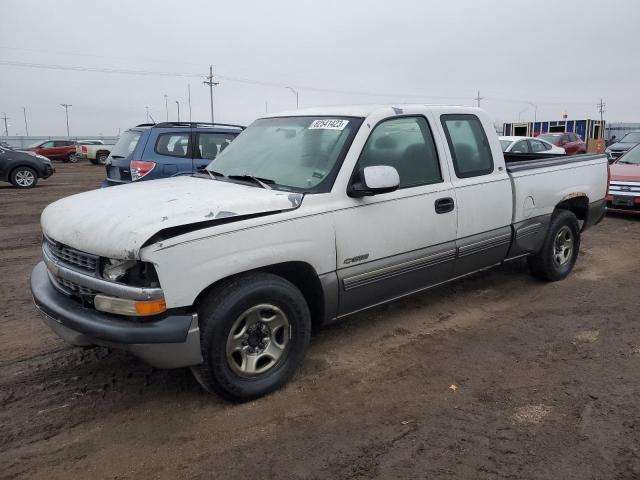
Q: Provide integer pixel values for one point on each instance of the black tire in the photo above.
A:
(548, 264)
(23, 177)
(101, 158)
(220, 310)
(94, 161)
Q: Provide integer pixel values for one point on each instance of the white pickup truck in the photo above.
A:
(307, 217)
(95, 151)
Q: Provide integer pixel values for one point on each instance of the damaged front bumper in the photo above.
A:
(171, 341)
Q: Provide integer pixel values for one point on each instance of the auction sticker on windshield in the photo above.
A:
(329, 124)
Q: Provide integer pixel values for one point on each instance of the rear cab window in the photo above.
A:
(468, 144)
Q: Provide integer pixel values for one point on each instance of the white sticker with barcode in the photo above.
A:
(329, 124)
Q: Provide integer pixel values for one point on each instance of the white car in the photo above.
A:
(307, 217)
(529, 145)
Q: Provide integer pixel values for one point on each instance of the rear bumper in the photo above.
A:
(169, 342)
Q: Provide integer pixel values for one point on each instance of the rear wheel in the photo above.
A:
(73, 158)
(101, 158)
(254, 332)
(558, 254)
(24, 177)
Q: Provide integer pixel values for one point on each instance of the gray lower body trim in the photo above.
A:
(482, 250)
(529, 235)
(376, 281)
(596, 213)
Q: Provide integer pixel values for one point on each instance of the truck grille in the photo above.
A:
(71, 257)
(74, 288)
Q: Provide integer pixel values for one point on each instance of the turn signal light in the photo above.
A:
(123, 306)
(140, 168)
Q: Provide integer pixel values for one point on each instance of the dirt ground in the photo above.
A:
(496, 376)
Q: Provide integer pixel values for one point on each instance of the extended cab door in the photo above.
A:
(483, 193)
(395, 243)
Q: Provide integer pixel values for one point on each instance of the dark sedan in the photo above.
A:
(622, 146)
(23, 169)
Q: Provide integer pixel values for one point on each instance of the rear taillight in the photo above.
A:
(84, 148)
(139, 169)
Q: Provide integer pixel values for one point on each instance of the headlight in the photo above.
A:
(114, 270)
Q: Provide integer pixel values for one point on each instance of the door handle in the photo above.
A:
(444, 205)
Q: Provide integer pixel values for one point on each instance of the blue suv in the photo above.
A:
(167, 149)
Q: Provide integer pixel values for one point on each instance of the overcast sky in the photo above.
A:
(561, 55)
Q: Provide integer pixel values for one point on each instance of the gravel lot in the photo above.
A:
(496, 376)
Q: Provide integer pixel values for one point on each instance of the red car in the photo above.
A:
(571, 142)
(624, 187)
(56, 149)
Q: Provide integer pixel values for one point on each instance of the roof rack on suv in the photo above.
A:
(195, 125)
(146, 125)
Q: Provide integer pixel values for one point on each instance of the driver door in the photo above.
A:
(391, 244)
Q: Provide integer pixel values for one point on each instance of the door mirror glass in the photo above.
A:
(374, 180)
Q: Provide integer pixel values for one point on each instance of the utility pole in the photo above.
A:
(66, 112)
(535, 112)
(478, 98)
(26, 125)
(211, 84)
(6, 129)
(147, 109)
(189, 92)
(178, 104)
(601, 109)
(295, 92)
(166, 106)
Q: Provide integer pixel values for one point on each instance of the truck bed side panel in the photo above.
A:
(540, 185)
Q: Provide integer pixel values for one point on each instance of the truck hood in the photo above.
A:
(621, 147)
(115, 222)
(621, 172)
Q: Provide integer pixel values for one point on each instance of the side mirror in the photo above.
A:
(375, 180)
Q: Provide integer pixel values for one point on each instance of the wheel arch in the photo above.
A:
(576, 203)
(301, 274)
(98, 152)
(20, 165)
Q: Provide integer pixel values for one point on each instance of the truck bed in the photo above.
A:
(540, 185)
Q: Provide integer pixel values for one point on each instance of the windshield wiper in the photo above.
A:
(260, 181)
(212, 173)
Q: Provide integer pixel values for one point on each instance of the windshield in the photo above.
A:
(505, 144)
(300, 154)
(633, 137)
(126, 144)
(631, 157)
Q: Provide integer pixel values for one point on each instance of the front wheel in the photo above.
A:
(254, 333)
(559, 253)
(24, 177)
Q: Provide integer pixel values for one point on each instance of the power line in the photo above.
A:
(250, 81)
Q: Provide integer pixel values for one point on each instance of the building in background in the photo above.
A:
(620, 129)
(586, 129)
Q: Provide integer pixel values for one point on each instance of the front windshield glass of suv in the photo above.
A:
(631, 157)
(505, 144)
(633, 137)
(301, 154)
